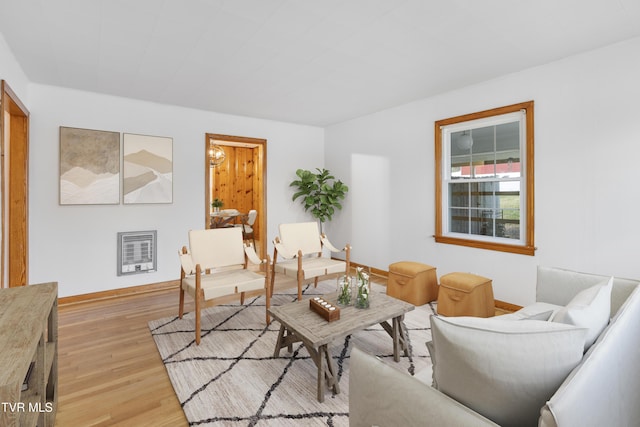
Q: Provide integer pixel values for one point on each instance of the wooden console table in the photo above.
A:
(29, 334)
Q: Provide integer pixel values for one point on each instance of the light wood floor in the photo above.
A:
(110, 372)
(109, 369)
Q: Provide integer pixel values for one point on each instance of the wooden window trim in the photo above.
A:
(528, 248)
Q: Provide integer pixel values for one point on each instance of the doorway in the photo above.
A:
(239, 180)
(14, 143)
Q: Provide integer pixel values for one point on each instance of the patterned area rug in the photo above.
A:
(232, 378)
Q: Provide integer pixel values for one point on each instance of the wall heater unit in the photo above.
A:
(136, 252)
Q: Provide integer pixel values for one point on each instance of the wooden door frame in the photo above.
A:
(260, 171)
(14, 145)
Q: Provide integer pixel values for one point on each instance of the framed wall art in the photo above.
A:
(147, 168)
(89, 167)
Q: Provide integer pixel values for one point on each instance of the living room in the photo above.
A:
(585, 146)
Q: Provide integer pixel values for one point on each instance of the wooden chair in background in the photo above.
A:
(247, 226)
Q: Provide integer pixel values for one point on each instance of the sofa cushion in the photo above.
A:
(535, 311)
(382, 395)
(545, 315)
(590, 308)
(559, 286)
(504, 370)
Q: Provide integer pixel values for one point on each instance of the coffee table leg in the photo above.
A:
(399, 336)
(320, 357)
(396, 339)
(330, 374)
(322, 351)
(276, 352)
(286, 338)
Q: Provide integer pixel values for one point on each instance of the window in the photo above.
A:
(484, 179)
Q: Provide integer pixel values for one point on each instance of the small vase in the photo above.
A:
(216, 209)
(345, 291)
(363, 289)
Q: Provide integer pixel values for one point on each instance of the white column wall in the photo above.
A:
(587, 145)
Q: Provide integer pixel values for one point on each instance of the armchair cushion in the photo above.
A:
(504, 370)
(301, 236)
(224, 283)
(312, 267)
(214, 250)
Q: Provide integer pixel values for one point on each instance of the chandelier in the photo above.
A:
(216, 154)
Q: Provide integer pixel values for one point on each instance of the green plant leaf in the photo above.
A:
(319, 193)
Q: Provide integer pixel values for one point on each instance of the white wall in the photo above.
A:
(76, 245)
(586, 187)
(587, 145)
(11, 71)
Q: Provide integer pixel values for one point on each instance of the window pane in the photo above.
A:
(461, 144)
(508, 150)
(459, 194)
(485, 208)
(482, 194)
(509, 212)
(486, 152)
(482, 222)
(459, 220)
(483, 152)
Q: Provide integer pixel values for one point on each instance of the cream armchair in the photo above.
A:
(300, 245)
(216, 265)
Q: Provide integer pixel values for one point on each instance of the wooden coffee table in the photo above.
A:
(299, 323)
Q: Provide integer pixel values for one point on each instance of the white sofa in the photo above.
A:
(602, 389)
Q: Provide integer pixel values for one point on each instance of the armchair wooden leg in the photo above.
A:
(315, 282)
(300, 275)
(241, 298)
(299, 287)
(268, 289)
(273, 268)
(267, 295)
(181, 309)
(198, 303)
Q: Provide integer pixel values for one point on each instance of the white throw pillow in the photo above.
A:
(589, 309)
(504, 370)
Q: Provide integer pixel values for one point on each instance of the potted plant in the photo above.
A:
(216, 204)
(320, 192)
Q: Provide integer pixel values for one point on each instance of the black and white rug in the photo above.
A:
(232, 378)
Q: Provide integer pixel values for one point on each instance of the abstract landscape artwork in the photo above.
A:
(89, 167)
(148, 169)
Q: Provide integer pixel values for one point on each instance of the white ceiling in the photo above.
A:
(314, 62)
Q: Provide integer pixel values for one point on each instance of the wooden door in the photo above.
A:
(14, 143)
(239, 181)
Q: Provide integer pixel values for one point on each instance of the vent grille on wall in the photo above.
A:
(136, 252)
